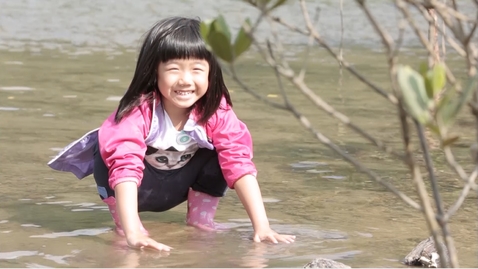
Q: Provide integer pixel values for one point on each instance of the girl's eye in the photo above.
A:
(198, 69)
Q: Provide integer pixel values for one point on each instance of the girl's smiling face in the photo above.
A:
(182, 82)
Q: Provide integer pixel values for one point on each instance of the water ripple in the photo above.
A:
(16, 254)
(87, 232)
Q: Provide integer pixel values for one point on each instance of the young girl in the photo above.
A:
(174, 137)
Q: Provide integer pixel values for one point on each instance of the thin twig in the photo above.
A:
(325, 140)
(423, 39)
(457, 47)
(345, 64)
(341, 53)
(464, 193)
(450, 158)
(387, 40)
(239, 81)
(437, 197)
(319, 102)
(399, 42)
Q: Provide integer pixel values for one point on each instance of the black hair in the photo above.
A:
(168, 39)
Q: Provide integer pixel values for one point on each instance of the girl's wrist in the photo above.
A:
(262, 225)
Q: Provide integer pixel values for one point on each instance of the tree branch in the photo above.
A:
(345, 64)
(438, 200)
(464, 193)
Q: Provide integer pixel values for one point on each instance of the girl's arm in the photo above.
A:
(249, 193)
(127, 205)
(126, 194)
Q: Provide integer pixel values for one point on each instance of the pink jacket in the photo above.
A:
(122, 146)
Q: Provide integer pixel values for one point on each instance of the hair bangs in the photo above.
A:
(183, 43)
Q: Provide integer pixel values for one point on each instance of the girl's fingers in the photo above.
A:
(272, 238)
(257, 238)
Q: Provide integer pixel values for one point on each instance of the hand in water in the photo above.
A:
(141, 241)
(269, 235)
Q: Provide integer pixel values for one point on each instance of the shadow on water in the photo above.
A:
(50, 96)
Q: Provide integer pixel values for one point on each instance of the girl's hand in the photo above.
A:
(270, 235)
(141, 241)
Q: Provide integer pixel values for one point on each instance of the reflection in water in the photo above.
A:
(255, 257)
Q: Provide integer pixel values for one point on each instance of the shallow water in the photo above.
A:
(51, 96)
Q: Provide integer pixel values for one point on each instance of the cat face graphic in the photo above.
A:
(170, 158)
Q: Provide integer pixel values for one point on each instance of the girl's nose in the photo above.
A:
(185, 79)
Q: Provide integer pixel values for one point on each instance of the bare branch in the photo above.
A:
(319, 102)
(450, 158)
(399, 42)
(288, 105)
(457, 47)
(308, 48)
(472, 32)
(387, 40)
(464, 193)
(289, 73)
(344, 63)
(438, 200)
(423, 39)
(325, 140)
(239, 81)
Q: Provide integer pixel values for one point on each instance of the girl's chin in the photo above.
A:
(183, 104)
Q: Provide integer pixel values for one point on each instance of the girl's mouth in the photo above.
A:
(183, 93)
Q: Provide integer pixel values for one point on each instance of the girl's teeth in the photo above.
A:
(183, 93)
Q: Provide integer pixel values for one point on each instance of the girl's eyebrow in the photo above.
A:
(200, 62)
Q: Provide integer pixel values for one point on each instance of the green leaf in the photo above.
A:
(243, 41)
(220, 46)
(414, 94)
(452, 103)
(438, 78)
(220, 25)
(427, 77)
(204, 28)
(423, 69)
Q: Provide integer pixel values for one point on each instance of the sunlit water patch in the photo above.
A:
(16, 88)
(13, 63)
(306, 165)
(16, 254)
(333, 177)
(114, 98)
(315, 171)
(30, 225)
(80, 232)
(3, 108)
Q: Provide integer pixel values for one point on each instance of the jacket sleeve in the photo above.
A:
(233, 143)
(122, 147)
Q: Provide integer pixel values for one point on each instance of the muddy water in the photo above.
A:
(50, 96)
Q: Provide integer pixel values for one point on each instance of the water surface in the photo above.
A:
(51, 95)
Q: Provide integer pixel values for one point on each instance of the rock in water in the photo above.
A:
(424, 254)
(325, 263)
